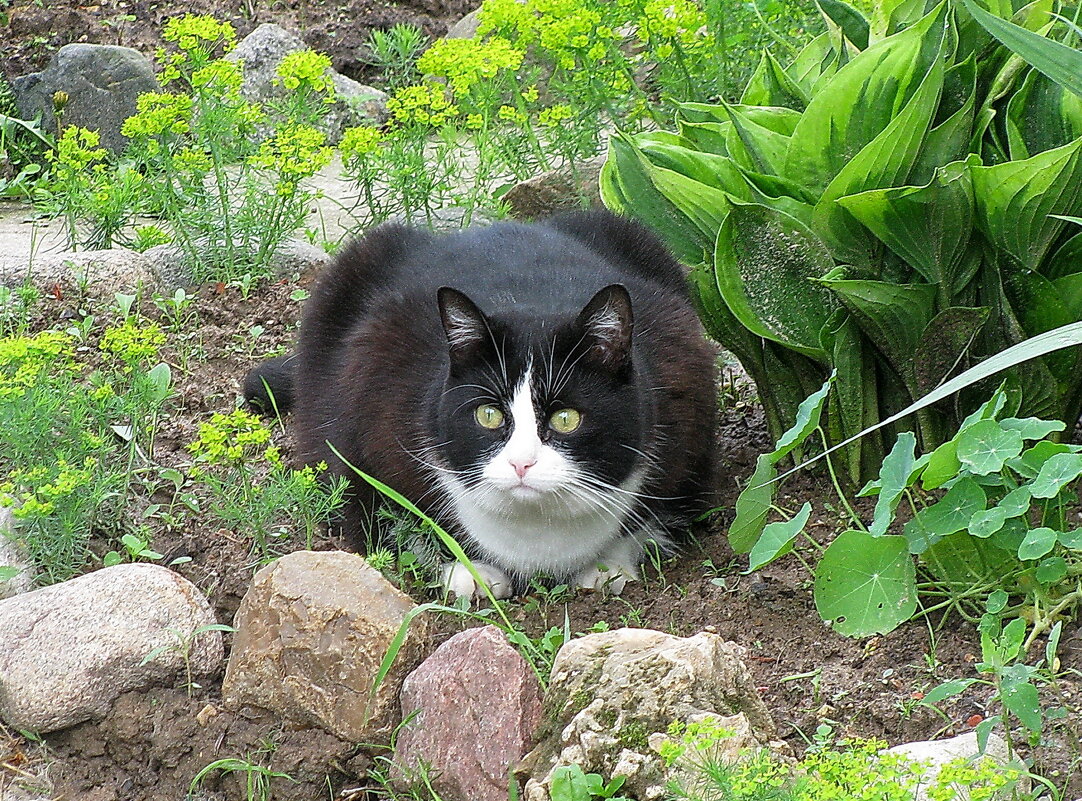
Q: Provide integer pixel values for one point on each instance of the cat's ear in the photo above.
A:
(606, 326)
(464, 324)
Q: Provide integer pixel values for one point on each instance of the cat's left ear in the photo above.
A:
(606, 324)
(464, 324)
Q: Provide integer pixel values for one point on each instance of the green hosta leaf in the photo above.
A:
(891, 315)
(1060, 470)
(1042, 115)
(815, 64)
(854, 403)
(948, 141)
(847, 19)
(1069, 290)
(858, 103)
(943, 465)
(952, 513)
(627, 187)
(1051, 570)
(927, 226)
(1038, 542)
(894, 478)
(754, 146)
(1067, 260)
(753, 505)
(764, 260)
(1059, 62)
(984, 447)
(777, 539)
(865, 585)
(770, 85)
(943, 343)
(1031, 427)
(1016, 201)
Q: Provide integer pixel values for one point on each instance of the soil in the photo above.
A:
(154, 743)
(32, 31)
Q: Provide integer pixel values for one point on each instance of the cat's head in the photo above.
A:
(541, 411)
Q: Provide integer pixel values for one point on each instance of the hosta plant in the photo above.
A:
(895, 204)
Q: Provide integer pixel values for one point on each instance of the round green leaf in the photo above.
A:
(997, 601)
(984, 446)
(951, 514)
(777, 539)
(866, 585)
(987, 522)
(1051, 570)
(1038, 542)
(1060, 470)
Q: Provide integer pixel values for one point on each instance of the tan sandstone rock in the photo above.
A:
(612, 695)
(312, 631)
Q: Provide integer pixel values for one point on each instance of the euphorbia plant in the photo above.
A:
(892, 206)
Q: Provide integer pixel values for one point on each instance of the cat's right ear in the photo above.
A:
(464, 324)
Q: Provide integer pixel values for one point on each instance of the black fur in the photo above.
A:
(376, 375)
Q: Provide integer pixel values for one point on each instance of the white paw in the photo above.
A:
(612, 579)
(457, 579)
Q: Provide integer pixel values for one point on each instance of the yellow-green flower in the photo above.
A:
(133, 344)
(422, 104)
(308, 69)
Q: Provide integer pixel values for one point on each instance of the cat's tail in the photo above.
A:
(268, 388)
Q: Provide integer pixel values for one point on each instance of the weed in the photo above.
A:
(182, 647)
(257, 778)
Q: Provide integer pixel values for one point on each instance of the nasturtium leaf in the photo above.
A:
(777, 539)
(1038, 542)
(1051, 570)
(1031, 427)
(984, 446)
(865, 585)
(947, 689)
(808, 415)
(1020, 697)
(960, 561)
(1016, 502)
(943, 465)
(1009, 538)
(987, 522)
(1031, 461)
(752, 506)
(952, 513)
(894, 478)
(997, 601)
(1071, 540)
(1060, 470)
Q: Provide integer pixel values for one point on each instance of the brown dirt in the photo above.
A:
(153, 743)
(33, 31)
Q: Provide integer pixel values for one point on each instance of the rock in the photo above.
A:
(465, 28)
(311, 633)
(102, 83)
(477, 703)
(937, 753)
(260, 53)
(95, 273)
(556, 190)
(13, 555)
(71, 649)
(167, 263)
(611, 695)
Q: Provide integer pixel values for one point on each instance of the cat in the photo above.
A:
(545, 391)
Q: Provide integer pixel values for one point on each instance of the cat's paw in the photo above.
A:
(457, 579)
(610, 578)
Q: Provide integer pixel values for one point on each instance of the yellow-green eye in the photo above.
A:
(489, 416)
(565, 421)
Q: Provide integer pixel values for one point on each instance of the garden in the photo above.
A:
(878, 205)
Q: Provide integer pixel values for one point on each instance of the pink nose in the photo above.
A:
(522, 467)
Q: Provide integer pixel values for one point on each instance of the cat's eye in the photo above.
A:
(565, 421)
(489, 416)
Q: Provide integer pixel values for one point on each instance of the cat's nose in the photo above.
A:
(522, 465)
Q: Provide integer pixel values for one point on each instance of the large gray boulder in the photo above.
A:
(260, 53)
(934, 755)
(102, 83)
(72, 648)
(475, 703)
(94, 273)
(312, 631)
(172, 271)
(612, 697)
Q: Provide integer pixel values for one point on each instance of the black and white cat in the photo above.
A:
(545, 391)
